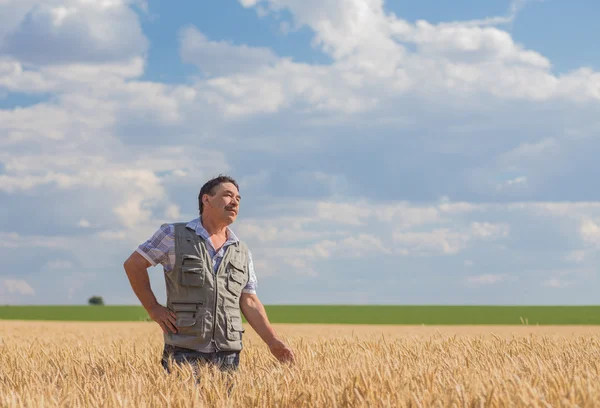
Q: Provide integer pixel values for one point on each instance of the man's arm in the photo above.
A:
(136, 267)
(255, 313)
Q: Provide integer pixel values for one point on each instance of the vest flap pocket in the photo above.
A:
(237, 276)
(185, 322)
(237, 264)
(192, 258)
(192, 268)
(236, 325)
(184, 307)
(234, 328)
(186, 313)
(235, 282)
(192, 275)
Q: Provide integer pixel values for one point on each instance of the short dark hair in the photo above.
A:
(210, 185)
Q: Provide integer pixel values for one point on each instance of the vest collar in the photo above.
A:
(196, 225)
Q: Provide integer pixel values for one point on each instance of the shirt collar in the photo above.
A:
(196, 225)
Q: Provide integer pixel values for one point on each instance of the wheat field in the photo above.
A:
(66, 364)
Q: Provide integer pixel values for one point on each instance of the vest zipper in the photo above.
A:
(216, 276)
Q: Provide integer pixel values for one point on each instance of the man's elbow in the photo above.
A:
(127, 266)
(128, 262)
(133, 263)
(247, 301)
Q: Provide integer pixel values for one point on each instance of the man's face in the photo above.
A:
(224, 204)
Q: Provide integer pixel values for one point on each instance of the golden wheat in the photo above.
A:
(45, 364)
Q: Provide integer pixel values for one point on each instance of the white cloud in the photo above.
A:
(83, 223)
(406, 215)
(13, 240)
(579, 210)
(66, 31)
(12, 13)
(487, 279)
(535, 149)
(446, 241)
(361, 245)
(556, 283)
(316, 88)
(448, 207)
(92, 159)
(343, 213)
(15, 78)
(487, 230)
(463, 58)
(513, 183)
(173, 212)
(16, 286)
(59, 264)
(438, 241)
(61, 79)
(222, 58)
(112, 235)
(590, 232)
(300, 266)
(515, 7)
(577, 256)
(132, 212)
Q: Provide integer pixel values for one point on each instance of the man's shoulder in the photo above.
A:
(243, 247)
(183, 227)
(180, 224)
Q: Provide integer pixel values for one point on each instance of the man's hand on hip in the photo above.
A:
(165, 318)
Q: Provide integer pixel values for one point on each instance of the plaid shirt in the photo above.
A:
(160, 249)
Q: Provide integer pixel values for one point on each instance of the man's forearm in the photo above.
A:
(256, 316)
(140, 283)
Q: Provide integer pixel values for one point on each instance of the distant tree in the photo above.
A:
(96, 301)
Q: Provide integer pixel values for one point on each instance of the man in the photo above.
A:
(209, 276)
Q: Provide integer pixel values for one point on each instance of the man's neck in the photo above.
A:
(213, 228)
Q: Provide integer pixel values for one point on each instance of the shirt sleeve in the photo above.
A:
(252, 282)
(160, 247)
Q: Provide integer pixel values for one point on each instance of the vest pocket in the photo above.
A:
(235, 280)
(186, 317)
(234, 328)
(192, 275)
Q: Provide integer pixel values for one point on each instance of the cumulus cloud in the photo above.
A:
(13, 240)
(487, 279)
(370, 48)
(70, 31)
(59, 264)
(438, 241)
(577, 256)
(590, 232)
(83, 223)
(16, 286)
(556, 283)
(222, 58)
(487, 230)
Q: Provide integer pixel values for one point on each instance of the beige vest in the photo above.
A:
(207, 304)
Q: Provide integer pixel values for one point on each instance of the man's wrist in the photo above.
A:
(273, 340)
(150, 305)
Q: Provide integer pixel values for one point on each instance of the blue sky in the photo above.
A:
(387, 152)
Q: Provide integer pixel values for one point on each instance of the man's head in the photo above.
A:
(219, 199)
